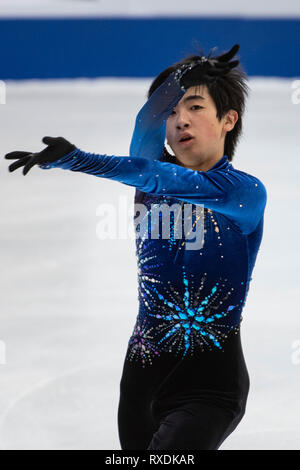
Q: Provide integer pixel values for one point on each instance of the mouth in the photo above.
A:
(186, 140)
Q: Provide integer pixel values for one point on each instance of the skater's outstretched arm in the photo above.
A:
(237, 195)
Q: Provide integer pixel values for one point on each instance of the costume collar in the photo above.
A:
(222, 164)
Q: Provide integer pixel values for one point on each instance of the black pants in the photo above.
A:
(190, 427)
(194, 427)
(197, 420)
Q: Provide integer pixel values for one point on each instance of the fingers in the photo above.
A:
(28, 166)
(222, 65)
(217, 72)
(15, 155)
(51, 140)
(228, 55)
(19, 163)
(222, 68)
(233, 64)
(225, 65)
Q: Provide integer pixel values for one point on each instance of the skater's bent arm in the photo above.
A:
(237, 195)
(150, 125)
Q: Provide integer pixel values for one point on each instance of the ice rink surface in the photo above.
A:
(69, 300)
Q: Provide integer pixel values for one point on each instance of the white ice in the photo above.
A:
(69, 300)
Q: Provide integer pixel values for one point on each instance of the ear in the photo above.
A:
(230, 120)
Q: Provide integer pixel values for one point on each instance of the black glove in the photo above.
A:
(57, 148)
(206, 68)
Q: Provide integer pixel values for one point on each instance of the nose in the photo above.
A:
(182, 120)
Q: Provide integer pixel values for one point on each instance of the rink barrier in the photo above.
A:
(141, 47)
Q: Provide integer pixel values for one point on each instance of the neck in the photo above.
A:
(201, 164)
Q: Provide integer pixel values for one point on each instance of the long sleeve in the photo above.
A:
(150, 125)
(237, 195)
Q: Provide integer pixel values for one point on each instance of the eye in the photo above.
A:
(197, 106)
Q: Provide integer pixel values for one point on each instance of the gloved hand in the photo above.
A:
(207, 69)
(57, 148)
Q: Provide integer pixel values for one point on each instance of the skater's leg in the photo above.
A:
(135, 426)
(194, 427)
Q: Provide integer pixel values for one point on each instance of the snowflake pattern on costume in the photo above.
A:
(187, 323)
(141, 345)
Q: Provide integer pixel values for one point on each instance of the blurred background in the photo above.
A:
(81, 69)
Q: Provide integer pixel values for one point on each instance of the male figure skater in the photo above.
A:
(185, 382)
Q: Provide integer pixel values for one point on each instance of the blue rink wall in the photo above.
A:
(128, 47)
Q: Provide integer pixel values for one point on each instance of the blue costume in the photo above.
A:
(185, 381)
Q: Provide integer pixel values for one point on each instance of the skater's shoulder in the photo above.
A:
(248, 186)
(248, 178)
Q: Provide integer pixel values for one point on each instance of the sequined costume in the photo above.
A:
(185, 382)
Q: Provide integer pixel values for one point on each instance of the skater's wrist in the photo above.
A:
(59, 163)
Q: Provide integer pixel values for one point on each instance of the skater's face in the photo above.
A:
(196, 114)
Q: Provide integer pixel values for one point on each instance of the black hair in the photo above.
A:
(228, 92)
